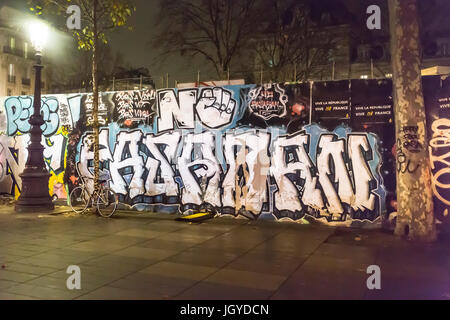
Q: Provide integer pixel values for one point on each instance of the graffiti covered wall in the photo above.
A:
(275, 151)
(437, 100)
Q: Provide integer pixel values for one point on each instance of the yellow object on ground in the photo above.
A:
(196, 217)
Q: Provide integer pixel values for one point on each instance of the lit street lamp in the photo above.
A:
(35, 194)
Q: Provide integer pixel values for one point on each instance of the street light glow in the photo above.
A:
(38, 31)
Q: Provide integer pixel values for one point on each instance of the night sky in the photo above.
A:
(136, 47)
(137, 50)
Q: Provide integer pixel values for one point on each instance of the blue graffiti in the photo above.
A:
(20, 109)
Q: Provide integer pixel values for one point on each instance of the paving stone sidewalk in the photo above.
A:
(150, 256)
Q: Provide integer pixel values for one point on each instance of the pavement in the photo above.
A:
(137, 255)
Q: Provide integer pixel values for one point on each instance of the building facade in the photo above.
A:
(361, 53)
(347, 48)
(17, 57)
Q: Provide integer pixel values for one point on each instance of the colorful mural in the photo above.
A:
(256, 151)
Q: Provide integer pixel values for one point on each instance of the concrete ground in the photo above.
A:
(151, 256)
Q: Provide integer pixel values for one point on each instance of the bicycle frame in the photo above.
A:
(96, 194)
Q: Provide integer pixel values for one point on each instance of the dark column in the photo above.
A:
(35, 195)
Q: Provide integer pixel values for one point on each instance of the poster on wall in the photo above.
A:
(331, 103)
(87, 107)
(436, 90)
(299, 106)
(132, 108)
(276, 104)
(372, 111)
(371, 102)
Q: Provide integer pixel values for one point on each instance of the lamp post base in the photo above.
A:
(34, 196)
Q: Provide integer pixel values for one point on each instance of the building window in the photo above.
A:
(363, 52)
(26, 81)
(23, 93)
(25, 50)
(9, 92)
(11, 76)
(12, 42)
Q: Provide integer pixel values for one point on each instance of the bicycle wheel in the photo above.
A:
(107, 202)
(79, 199)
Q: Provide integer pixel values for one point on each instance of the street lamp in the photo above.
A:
(35, 194)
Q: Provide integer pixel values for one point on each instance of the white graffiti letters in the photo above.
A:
(215, 107)
(161, 162)
(199, 170)
(126, 158)
(333, 171)
(334, 149)
(286, 198)
(84, 165)
(245, 183)
(54, 151)
(173, 110)
(440, 158)
(364, 198)
(14, 154)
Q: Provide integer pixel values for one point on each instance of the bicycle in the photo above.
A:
(106, 203)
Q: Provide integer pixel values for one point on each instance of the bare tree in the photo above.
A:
(76, 73)
(291, 44)
(214, 29)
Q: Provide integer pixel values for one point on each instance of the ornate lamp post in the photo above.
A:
(35, 194)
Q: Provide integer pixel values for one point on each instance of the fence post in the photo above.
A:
(310, 101)
(371, 68)
(295, 72)
(332, 71)
(261, 80)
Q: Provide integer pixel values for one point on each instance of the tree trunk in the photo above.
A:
(95, 97)
(415, 216)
